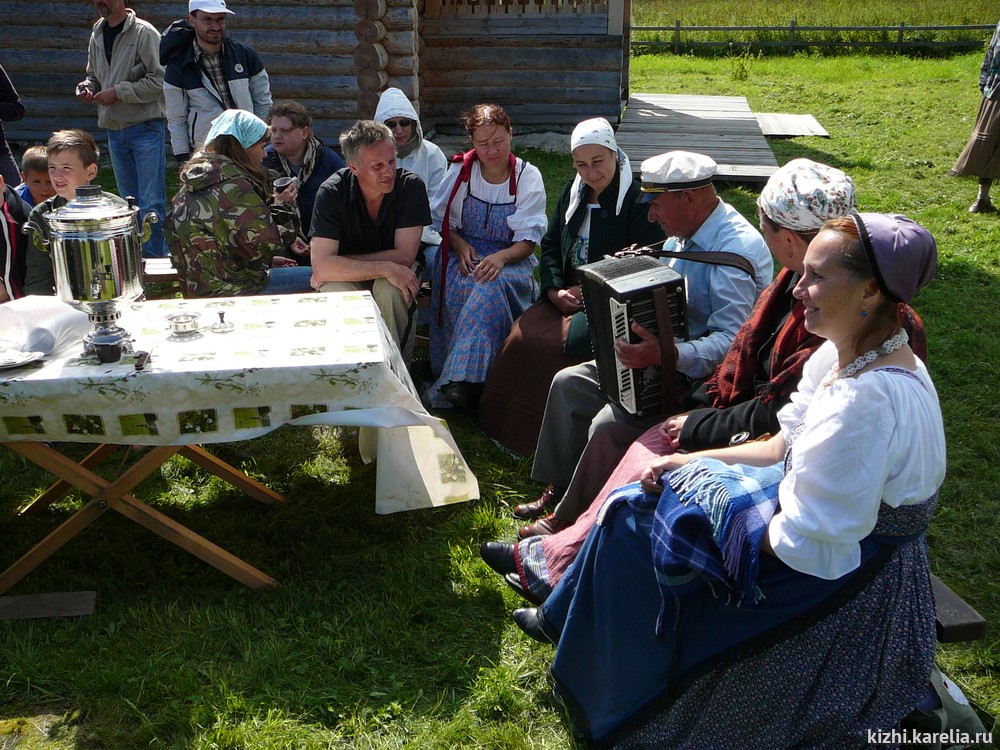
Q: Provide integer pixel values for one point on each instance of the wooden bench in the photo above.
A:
(957, 621)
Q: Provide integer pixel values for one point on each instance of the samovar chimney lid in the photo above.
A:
(88, 191)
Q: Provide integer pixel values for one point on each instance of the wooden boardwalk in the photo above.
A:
(722, 127)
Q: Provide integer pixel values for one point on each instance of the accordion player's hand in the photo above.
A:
(638, 356)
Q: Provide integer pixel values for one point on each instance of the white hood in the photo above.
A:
(393, 103)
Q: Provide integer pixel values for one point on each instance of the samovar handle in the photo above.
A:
(151, 218)
(147, 226)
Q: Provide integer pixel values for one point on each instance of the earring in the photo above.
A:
(864, 313)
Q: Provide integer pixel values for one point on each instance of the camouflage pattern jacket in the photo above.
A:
(221, 231)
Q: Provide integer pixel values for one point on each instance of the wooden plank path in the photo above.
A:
(777, 125)
(722, 127)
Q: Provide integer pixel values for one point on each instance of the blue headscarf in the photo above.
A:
(244, 126)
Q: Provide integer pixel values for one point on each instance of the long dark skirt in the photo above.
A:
(517, 386)
(981, 156)
(814, 664)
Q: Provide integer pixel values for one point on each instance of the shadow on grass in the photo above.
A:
(374, 617)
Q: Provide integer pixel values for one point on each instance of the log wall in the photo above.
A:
(333, 56)
(549, 63)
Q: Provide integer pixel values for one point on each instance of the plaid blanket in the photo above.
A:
(709, 525)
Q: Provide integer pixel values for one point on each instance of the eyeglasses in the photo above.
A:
(400, 123)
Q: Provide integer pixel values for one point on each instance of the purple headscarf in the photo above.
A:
(901, 253)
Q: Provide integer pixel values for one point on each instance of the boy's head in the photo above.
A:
(72, 161)
(35, 174)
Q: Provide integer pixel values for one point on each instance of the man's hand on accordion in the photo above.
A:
(638, 356)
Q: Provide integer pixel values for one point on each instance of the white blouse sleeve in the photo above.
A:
(831, 494)
(529, 220)
(439, 200)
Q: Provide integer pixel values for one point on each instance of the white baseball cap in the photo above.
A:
(675, 170)
(209, 6)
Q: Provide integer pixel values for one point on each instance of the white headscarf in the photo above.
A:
(598, 132)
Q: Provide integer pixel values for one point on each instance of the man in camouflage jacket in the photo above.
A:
(222, 233)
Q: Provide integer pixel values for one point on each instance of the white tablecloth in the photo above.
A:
(294, 359)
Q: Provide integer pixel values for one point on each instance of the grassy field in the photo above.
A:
(388, 632)
(837, 13)
(830, 13)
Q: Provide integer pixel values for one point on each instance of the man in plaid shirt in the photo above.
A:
(206, 74)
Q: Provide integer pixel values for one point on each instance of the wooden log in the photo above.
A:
(35, 131)
(370, 56)
(410, 86)
(369, 10)
(571, 114)
(56, 15)
(523, 81)
(367, 104)
(369, 32)
(503, 94)
(317, 86)
(41, 40)
(400, 43)
(288, 65)
(370, 80)
(513, 58)
(58, 86)
(321, 42)
(517, 24)
(540, 41)
(16, 61)
(403, 65)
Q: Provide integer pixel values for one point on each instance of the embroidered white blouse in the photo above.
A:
(528, 222)
(877, 438)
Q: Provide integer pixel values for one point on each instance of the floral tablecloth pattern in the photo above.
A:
(294, 359)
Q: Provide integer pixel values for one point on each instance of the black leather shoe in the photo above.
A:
(529, 619)
(499, 556)
(514, 581)
(456, 394)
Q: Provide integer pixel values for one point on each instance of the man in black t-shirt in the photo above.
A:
(366, 228)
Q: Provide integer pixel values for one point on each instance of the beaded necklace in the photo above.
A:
(888, 346)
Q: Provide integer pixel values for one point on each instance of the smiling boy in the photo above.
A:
(72, 162)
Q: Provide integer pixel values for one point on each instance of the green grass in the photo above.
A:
(834, 13)
(829, 13)
(388, 632)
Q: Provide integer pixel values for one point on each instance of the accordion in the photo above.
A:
(617, 291)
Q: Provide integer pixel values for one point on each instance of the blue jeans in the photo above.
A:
(288, 280)
(138, 157)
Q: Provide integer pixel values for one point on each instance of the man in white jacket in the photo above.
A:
(125, 81)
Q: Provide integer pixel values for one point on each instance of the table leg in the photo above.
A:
(60, 488)
(198, 546)
(107, 495)
(234, 476)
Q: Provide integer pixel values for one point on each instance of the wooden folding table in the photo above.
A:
(297, 359)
